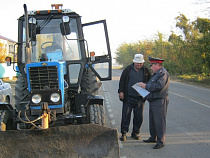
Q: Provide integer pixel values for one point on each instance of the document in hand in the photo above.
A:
(143, 92)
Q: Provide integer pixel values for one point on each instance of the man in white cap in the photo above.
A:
(134, 73)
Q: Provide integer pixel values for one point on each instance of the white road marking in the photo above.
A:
(111, 115)
(113, 122)
(189, 85)
(191, 100)
(109, 110)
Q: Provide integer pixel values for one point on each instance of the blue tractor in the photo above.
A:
(61, 63)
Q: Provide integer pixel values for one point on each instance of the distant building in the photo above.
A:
(8, 44)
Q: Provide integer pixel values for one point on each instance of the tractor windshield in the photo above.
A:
(53, 40)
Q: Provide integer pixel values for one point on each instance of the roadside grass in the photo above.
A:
(200, 80)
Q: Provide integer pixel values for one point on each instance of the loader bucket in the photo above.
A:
(64, 142)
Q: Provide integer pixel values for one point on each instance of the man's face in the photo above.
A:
(154, 67)
(138, 65)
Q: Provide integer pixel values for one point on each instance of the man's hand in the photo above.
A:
(142, 85)
(121, 96)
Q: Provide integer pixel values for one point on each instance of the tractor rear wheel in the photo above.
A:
(89, 82)
(5, 120)
(96, 114)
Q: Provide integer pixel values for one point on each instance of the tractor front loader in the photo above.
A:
(58, 112)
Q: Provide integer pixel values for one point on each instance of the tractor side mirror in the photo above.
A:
(64, 26)
(32, 32)
(65, 29)
(32, 29)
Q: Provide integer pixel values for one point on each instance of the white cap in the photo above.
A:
(138, 58)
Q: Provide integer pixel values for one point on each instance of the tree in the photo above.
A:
(203, 26)
(187, 53)
(186, 46)
(3, 52)
(125, 53)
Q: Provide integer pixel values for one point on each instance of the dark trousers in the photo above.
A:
(137, 105)
(157, 119)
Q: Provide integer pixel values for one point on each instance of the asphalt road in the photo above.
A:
(188, 123)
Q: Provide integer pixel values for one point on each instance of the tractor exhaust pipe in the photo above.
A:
(28, 48)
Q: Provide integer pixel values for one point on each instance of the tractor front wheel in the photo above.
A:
(96, 114)
(6, 120)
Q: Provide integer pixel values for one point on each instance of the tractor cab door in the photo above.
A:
(98, 49)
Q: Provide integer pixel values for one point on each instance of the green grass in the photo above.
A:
(199, 79)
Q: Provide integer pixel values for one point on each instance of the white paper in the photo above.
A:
(143, 92)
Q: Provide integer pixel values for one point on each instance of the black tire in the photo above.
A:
(89, 82)
(96, 114)
(5, 120)
(21, 97)
(21, 91)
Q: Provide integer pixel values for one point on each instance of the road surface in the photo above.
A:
(188, 122)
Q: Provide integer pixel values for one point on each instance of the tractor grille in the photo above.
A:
(43, 78)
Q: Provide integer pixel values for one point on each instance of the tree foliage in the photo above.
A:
(3, 52)
(186, 53)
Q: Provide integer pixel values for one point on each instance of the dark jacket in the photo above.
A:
(123, 84)
(158, 85)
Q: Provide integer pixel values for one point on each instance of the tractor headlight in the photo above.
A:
(36, 98)
(55, 97)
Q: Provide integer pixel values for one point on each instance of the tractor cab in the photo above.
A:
(59, 36)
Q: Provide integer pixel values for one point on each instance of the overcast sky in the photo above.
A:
(127, 20)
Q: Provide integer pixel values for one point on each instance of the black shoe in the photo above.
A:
(149, 141)
(135, 136)
(123, 137)
(158, 146)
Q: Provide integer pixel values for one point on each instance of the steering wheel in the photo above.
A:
(53, 46)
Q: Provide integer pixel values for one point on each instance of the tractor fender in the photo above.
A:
(95, 99)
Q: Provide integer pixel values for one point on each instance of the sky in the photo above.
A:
(128, 21)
